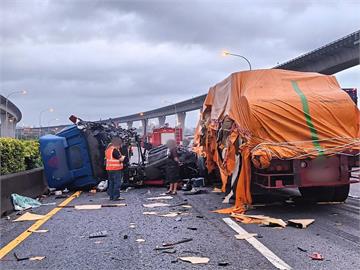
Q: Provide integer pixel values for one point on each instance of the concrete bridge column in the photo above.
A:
(129, 124)
(162, 120)
(7, 130)
(181, 120)
(144, 124)
(3, 131)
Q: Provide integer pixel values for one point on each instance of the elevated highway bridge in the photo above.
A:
(10, 114)
(329, 59)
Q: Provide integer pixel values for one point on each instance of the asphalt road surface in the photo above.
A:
(334, 234)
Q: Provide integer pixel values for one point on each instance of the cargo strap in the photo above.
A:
(305, 105)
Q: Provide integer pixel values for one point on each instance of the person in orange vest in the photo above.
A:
(114, 167)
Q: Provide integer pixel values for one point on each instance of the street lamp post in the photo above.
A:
(225, 53)
(49, 122)
(40, 115)
(23, 92)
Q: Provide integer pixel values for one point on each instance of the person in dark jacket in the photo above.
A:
(172, 168)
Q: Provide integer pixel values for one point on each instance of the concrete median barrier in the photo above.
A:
(29, 183)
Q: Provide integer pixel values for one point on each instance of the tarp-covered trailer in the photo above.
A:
(279, 129)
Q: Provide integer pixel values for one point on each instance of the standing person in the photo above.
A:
(114, 168)
(172, 168)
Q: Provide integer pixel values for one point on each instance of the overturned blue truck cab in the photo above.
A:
(70, 161)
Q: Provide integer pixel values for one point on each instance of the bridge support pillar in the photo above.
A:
(129, 124)
(7, 129)
(162, 120)
(144, 124)
(181, 121)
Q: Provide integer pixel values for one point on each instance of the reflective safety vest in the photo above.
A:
(112, 164)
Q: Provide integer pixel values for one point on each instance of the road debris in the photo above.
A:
(98, 234)
(186, 206)
(216, 190)
(198, 216)
(23, 203)
(125, 236)
(300, 223)
(88, 207)
(179, 204)
(192, 228)
(93, 206)
(178, 242)
(132, 226)
(223, 263)
(140, 240)
(93, 191)
(195, 260)
(316, 256)
(160, 198)
(301, 249)
(29, 217)
(47, 204)
(171, 214)
(163, 248)
(150, 213)
(153, 205)
(38, 231)
(178, 219)
(98, 242)
(324, 203)
(244, 236)
(102, 186)
(35, 258)
(259, 219)
(128, 189)
(169, 251)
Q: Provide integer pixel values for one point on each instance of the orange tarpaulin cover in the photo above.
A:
(277, 114)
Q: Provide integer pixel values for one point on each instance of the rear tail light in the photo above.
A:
(279, 168)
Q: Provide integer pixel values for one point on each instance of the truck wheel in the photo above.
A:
(341, 193)
(317, 194)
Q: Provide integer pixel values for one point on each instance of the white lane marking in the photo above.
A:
(267, 253)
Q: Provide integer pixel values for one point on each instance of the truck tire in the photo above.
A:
(341, 193)
(318, 194)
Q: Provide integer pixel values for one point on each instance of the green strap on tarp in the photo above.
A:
(305, 105)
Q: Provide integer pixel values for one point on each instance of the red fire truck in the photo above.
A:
(163, 134)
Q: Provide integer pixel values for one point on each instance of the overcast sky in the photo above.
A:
(101, 59)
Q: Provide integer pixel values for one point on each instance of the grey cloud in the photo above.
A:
(101, 59)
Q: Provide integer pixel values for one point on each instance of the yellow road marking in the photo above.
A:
(10, 246)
